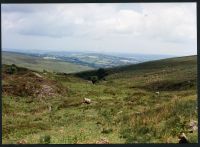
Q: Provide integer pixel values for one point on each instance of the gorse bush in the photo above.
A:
(46, 139)
(12, 69)
(94, 79)
(138, 134)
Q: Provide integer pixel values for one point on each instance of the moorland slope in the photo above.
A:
(151, 102)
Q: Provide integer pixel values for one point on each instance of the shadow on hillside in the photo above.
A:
(171, 85)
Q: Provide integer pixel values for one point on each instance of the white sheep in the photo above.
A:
(87, 101)
(157, 92)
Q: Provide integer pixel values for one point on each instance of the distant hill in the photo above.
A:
(172, 73)
(159, 64)
(94, 60)
(39, 63)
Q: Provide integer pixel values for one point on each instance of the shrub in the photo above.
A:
(107, 130)
(12, 69)
(44, 71)
(94, 79)
(46, 139)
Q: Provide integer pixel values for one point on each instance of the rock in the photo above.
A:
(182, 138)
(102, 141)
(23, 141)
(89, 81)
(49, 108)
(192, 123)
(138, 113)
(119, 112)
(37, 75)
(193, 126)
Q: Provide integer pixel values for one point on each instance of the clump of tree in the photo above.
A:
(46, 139)
(94, 79)
(99, 75)
(11, 69)
(44, 71)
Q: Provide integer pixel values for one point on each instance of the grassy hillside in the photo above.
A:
(39, 64)
(151, 102)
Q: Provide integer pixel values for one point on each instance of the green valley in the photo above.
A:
(150, 102)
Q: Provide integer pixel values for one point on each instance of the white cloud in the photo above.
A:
(171, 21)
(164, 22)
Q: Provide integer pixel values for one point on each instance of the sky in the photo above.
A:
(150, 28)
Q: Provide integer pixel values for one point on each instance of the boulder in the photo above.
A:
(23, 141)
(193, 126)
(102, 141)
(182, 138)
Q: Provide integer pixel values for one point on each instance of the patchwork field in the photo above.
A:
(150, 102)
(40, 64)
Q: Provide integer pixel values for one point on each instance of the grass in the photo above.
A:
(124, 108)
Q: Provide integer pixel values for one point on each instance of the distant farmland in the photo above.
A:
(40, 64)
